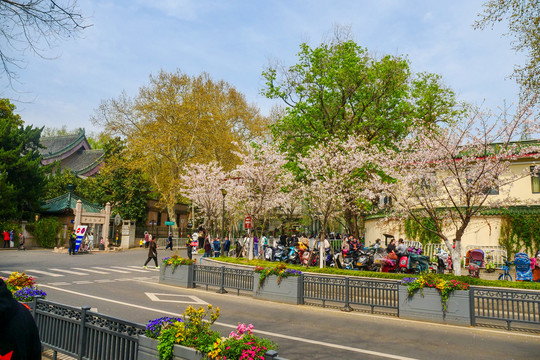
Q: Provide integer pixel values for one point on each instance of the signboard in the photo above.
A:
(169, 223)
(247, 222)
(81, 230)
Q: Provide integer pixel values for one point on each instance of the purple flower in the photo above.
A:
(154, 326)
(28, 294)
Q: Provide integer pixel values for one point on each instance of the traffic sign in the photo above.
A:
(169, 223)
(247, 222)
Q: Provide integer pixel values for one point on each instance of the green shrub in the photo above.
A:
(381, 275)
(45, 231)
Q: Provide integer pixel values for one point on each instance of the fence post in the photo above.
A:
(471, 306)
(347, 307)
(301, 290)
(82, 332)
(222, 289)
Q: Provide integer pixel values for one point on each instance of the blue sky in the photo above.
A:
(233, 40)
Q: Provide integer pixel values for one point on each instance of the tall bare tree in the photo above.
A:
(35, 25)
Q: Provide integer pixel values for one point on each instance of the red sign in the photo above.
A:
(247, 222)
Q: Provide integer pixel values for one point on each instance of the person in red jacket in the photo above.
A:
(6, 238)
(20, 335)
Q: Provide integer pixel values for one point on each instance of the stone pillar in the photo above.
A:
(78, 214)
(106, 224)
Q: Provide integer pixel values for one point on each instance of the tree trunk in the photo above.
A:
(351, 222)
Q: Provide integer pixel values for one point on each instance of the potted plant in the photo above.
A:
(430, 297)
(23, 288)
(176, 270)
(278, 284)
(190, 337)
(242, 344)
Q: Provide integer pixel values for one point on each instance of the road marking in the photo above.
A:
(268, 333)
(116, 270)
(133, 269)
(69, 271)
(59, 283)
(43, 273)
(92, 271)
(83, 282)
(190, 299)
(104, 281)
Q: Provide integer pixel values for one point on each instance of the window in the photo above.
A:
(535, 180)
(385, 201)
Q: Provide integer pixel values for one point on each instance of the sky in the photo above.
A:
(235, 40)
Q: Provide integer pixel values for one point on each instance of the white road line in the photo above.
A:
(83, 282)
(92, 271)
(69, 271)
(104, 281)
(116, 270)
(58, 283)
(131, 268)
(268, 333)
(43, 273)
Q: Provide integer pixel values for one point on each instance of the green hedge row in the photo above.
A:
(381, 275)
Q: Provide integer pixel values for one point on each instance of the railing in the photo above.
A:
(505, 305)
(351, 291)
(83, 334)
(223, 277)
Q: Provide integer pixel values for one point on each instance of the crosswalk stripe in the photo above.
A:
(116, 270)
(43, 272)
(136, 268)
(104, 280)
(83, 282)
(92, 271)
(68, 271)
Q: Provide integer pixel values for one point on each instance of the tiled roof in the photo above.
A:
(55, 146)
(84, 161)
(73, 151)
(68, 201)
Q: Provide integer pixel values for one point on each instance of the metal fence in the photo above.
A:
(83, 334)
(510, 306)
(351, 291)
(223, 277)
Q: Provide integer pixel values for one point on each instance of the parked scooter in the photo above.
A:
(442, 260)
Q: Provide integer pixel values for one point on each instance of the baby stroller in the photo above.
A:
(476, 261)
(523, 267)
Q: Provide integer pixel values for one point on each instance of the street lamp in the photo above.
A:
(224, 193)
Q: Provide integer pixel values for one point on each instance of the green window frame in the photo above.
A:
(535, 180)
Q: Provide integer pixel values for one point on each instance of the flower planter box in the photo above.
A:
(148, 351)
(181, 275)
(289, 290)
(429, 306)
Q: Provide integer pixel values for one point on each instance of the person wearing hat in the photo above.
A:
(169, 242)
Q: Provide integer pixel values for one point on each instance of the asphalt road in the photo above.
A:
(116, 284)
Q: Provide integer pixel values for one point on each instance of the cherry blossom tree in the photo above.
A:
(202, 184)
(331, 177)
(263, 177)
(453, 174)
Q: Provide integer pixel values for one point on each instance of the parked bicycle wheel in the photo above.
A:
(505, 277)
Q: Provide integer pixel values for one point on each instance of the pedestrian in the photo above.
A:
(6, 238)
(21, 242)
(169, 242)
(226, 246)
(255, 246)
(91, 241)
(11, 244)
(207, 248)
(152, 253)
(146, 239)
(72, 240)
(217, 247)
(20, 335)
(188, 247)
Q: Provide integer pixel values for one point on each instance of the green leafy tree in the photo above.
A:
(337, 90)
(21, 174)
(127, 189)
(523, 18)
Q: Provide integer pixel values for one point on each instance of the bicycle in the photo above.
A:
(506, 271)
